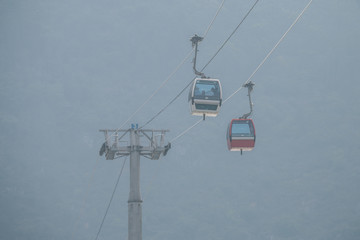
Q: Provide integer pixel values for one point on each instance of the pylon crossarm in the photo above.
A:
(152, 130)
(113, 150)
(106, 131)
(151, 139)
(114, 130)
(116, 151)
(123, 134)
(121, 156)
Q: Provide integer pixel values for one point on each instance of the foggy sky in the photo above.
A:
(70, 68)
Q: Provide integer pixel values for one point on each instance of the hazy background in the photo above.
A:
(69, 68)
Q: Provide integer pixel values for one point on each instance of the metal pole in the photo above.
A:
(249, 86)
(112, 150)
(195, 40)
(134, 203)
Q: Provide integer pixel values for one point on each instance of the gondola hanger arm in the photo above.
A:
(195, 40)
(249, 86)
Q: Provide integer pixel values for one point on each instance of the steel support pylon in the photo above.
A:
(112, 148)
(135, 201)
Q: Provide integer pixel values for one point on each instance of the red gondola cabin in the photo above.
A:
(241, 135)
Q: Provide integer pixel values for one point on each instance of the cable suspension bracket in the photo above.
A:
(116, 147)
(195, 40)
(249, 86)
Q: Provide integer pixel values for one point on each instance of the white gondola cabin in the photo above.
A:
(241, 135)
(205, 97)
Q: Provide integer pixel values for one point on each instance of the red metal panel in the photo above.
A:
(242, 143)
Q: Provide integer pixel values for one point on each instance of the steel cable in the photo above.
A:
(112, 196)
(212, 22)
(169, 77)
(258, 67)
(271, 51)
(212, 58)
(188, 129)
(147, 101)
(247, 14)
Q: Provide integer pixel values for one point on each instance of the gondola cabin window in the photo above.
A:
(206, 90)
(241, 129)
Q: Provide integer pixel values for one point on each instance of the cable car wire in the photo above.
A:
(171, 75)
(112, 196)
(177, 68)
(258, 67)
(212, 22)
(271, 51)
(231, 35)
(188, 129)
(147, 101)
(158, 89)
(212, 58)
(198, 122)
